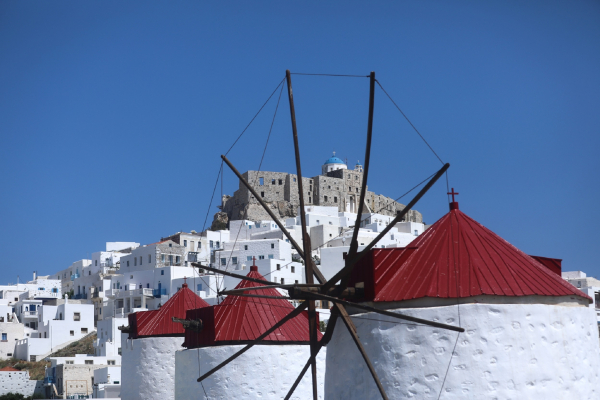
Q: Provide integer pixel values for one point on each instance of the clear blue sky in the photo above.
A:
(113, 114)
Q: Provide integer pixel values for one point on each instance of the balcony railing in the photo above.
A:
(160, 292)
(74, 276)
(30, 313)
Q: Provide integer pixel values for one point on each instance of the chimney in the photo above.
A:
(34, 275)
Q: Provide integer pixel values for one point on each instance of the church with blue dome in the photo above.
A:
(332, 164)
(336, 186)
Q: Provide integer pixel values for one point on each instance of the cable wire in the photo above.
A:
(411, 124)
(338, 75)
(253, 118)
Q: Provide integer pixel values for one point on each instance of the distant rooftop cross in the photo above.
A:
(453, 193)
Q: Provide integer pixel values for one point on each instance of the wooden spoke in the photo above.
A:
(223, 272)
(339, 302)
(265, 206)
(285, 319)
(308, 261)
(363, 190)
(361, 349)
(344, 273)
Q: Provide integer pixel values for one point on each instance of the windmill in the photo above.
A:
(336, 289)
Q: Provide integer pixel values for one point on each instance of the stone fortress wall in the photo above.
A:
(338, 188)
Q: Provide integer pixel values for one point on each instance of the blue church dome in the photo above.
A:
(334, 160)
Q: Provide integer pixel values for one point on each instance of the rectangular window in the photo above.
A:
(272, 245)
(293, 269)
(310, 199)
(140, 260)
(162, 271)
(234, 260)
(283, 281)
(246, 246)
(84, 330)
(4, 337)
(212, 244)
(110, 362)
(261, 181)
(96, 263)
(70, 362)
(191, 245)
(249, 258)
(223, 261)
(278, 267)
(162, 258)
(119, 351)
(72, 333)
(185, 243)
(76, 316)
(177, 259)
(262, 194)
(128, 263)
(261, 257)
(134, 261)
(280, 182)
(199, 287)
(325, 198)
(89, 362)
(294, 179)
(149, 258)
(272, 181)
(270, 256)
(416, 232)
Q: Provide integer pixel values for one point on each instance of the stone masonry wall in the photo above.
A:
(340, 188)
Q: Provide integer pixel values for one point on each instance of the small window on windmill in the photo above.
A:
(262, 194)
(272, 181)
(261, 181)
(280, 182)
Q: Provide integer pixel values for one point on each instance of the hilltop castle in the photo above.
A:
(337, 186)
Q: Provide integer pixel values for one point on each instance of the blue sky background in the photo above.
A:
(113, 114)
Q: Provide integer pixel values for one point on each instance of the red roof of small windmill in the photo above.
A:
(456, 248)
(159, 322)
(10, 369)
(243, 319)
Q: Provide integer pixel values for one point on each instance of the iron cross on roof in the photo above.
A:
(453, 193)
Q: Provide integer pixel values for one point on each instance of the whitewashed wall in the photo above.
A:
(148, 368)
(263, 372)
(508, 351)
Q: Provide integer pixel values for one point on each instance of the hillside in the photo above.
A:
(36, 369)
(82, 346)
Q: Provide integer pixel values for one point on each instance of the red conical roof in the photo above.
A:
(456, 257)
(159, 322)
(243, 319)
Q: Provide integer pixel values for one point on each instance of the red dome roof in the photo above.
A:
(456, 257)
(242, 319)
(158, 322)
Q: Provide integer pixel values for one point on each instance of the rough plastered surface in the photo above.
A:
(263, 372)
(148, 368)
(508, 351)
